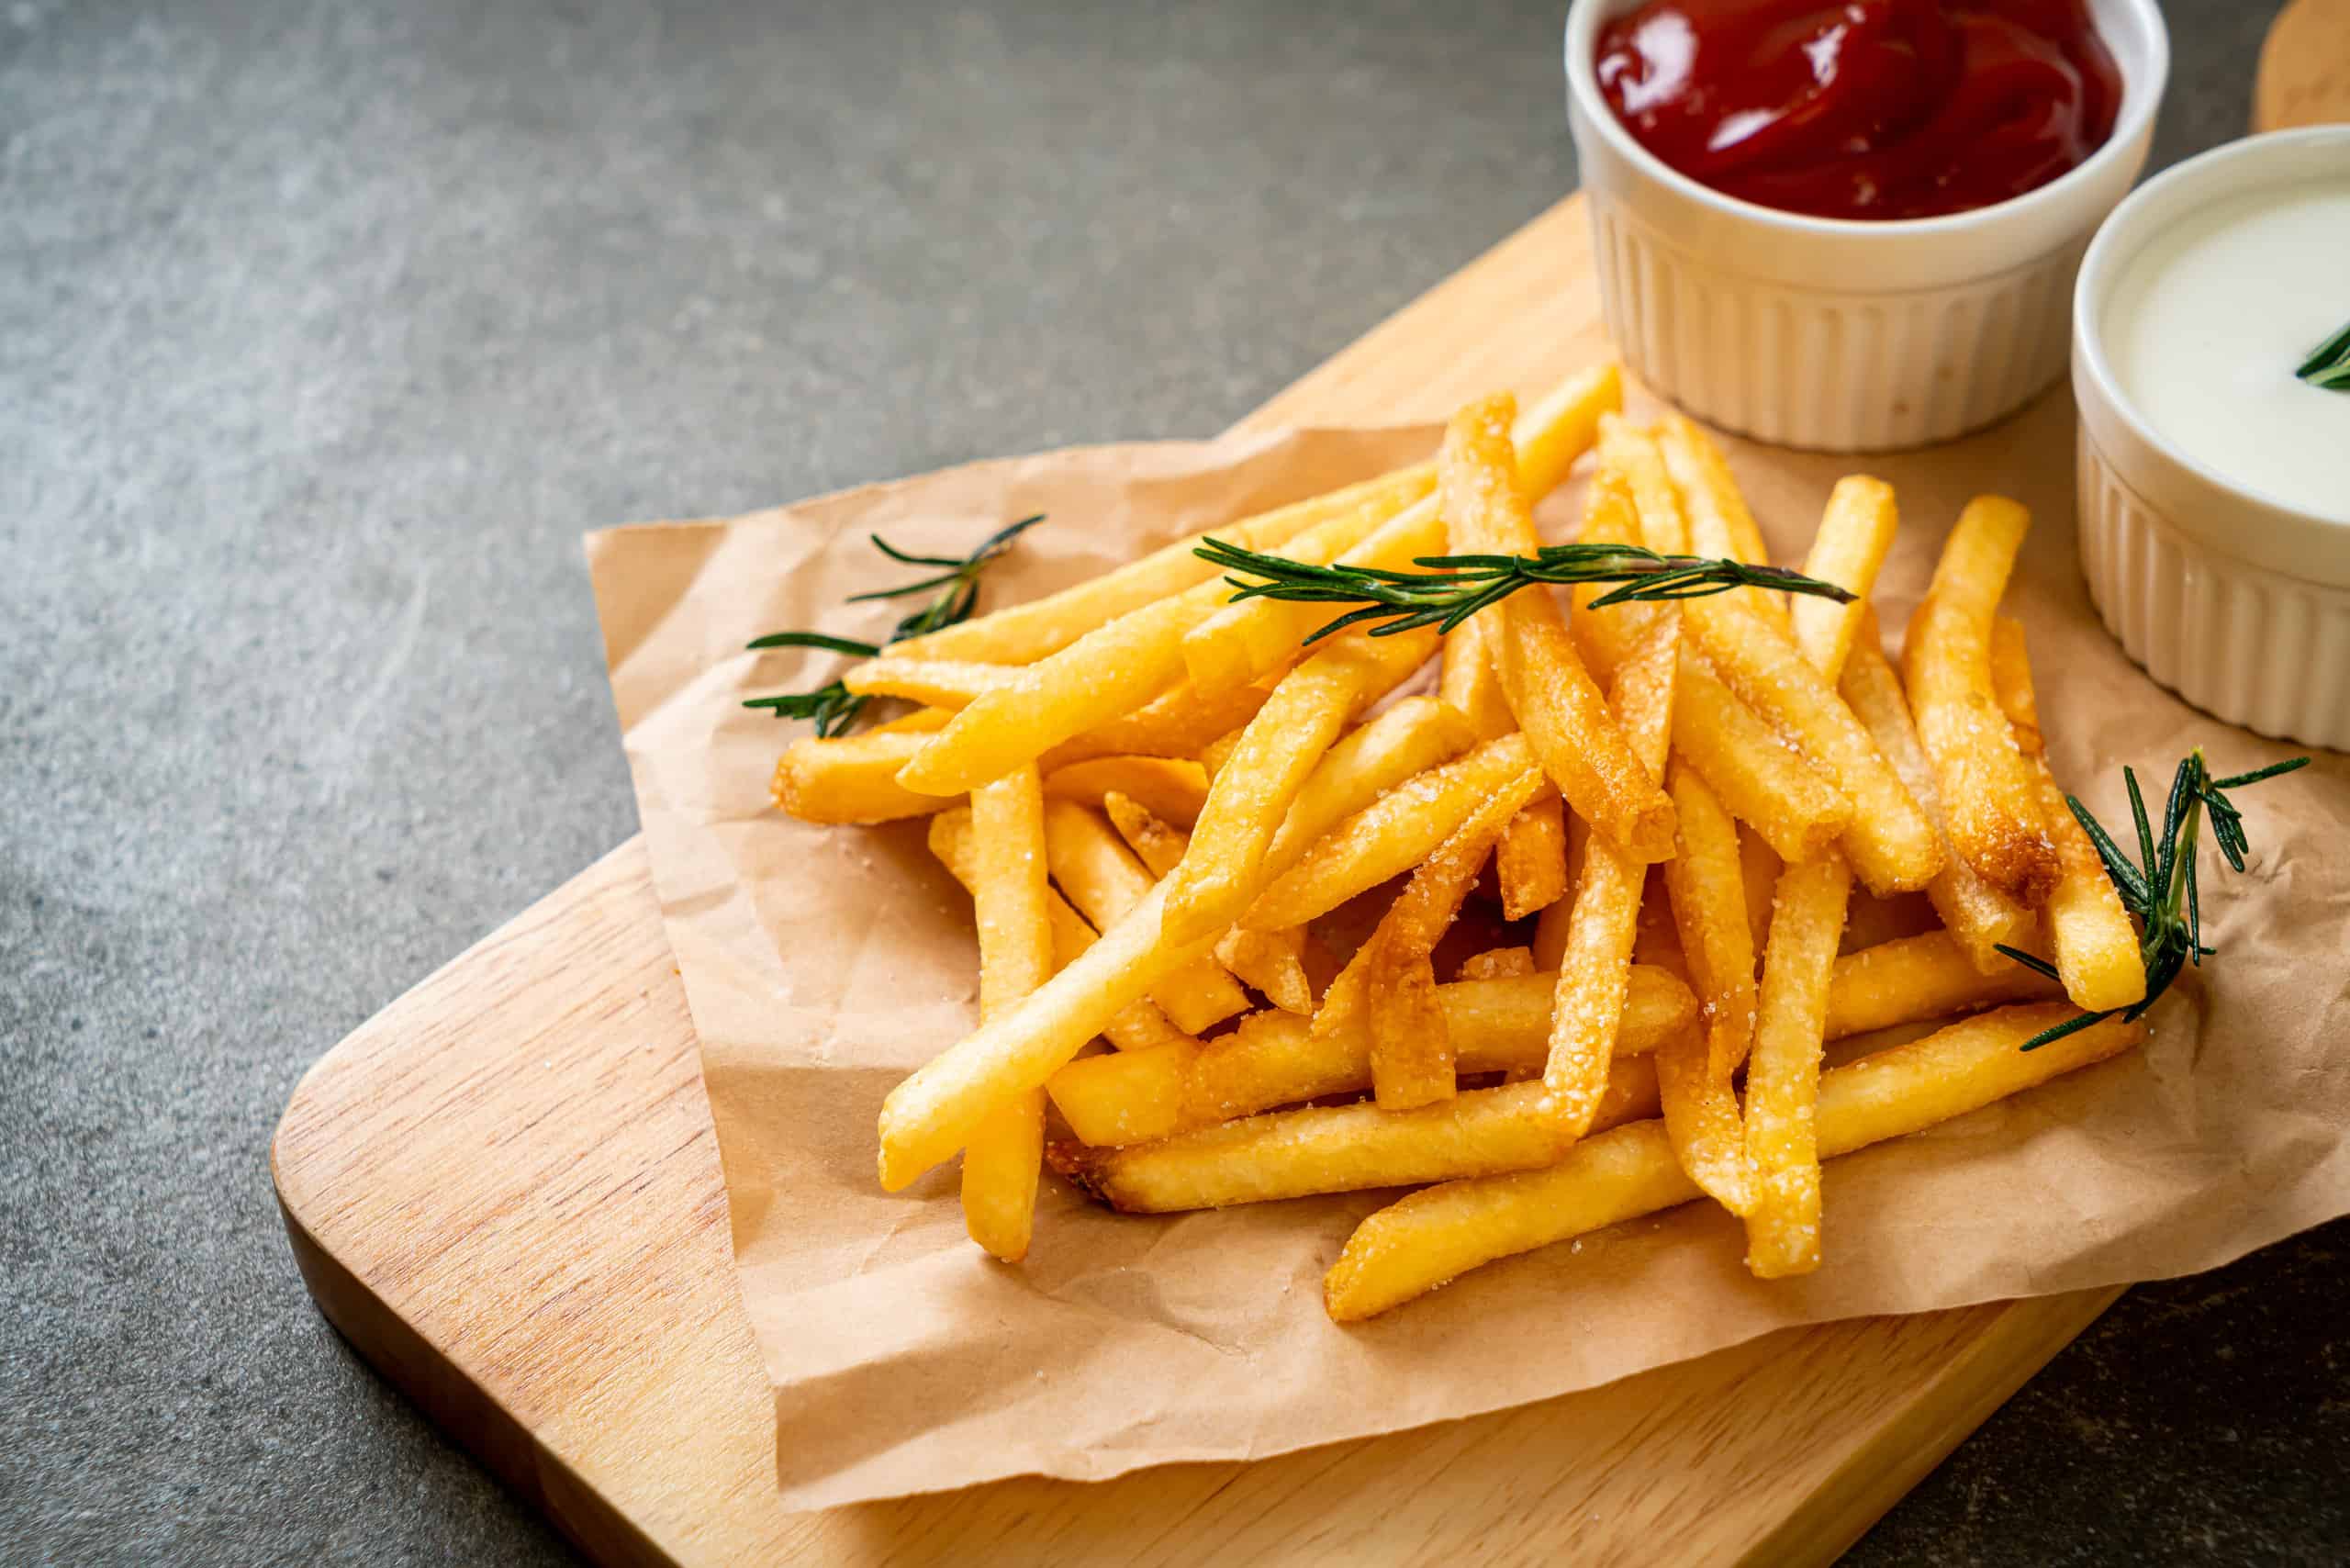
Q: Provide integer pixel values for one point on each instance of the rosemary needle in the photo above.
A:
(1455, 588)
(2160, 890)
(833, 707)
(2328, 365)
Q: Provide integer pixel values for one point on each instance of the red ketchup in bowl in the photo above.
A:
(1867, 110)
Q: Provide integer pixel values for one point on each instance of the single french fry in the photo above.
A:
(943, 683)
(1498, 963)
(1171, 788)
(1411, 1053)
(1530, 862)
(1978, 914)
(1272, 962)
(1719, 523)
(1915, 978)
(1105, 882)
(1181, 723)
(1136, 1027)
(1561, 709)
(2095, 946)
(1783, 1081)
(851, 779)
(1855, 533)
(933, 1111)
(1274, 1058)
(1435, 1236)
(1700, 1112)
(1707, 887)
(1223, 869)
(1387, 838)
(1587, 1015)
(1008, 897)
(1327, 1148)
(1242, 641)
(1990, 799)
(1890, 842)
(1021, 633)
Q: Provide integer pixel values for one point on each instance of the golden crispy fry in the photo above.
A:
(1278, 751)
(1978, 914)
(1498, 963)
(1432, 1237)
(1411, 1053)
(1272, 962)
(1387, 838)
(1719, 523)
(1179, 723)
(1990, 799)
(1274, 1058)
(1706, 884)
(1632, 456)
(1008, 900)
(1782, 1082)
(929, 1115)
(1530, 862)
(1025, 633)
(851, 779)
(1330, 1149)
(2095, 946)
(1587, 1015)
(942, 683)
(1137, 1026)
(1561, 707)
(1242, 641)
(1855, 535)
(1171, 788)
(1891, 842)
(1105, 882)
(1915, 978)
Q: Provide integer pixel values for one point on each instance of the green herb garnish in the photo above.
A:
(2160, 890)
(2328, 365)
(1456, 587)
(835, 707)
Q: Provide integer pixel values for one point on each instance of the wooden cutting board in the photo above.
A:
(505, 1191)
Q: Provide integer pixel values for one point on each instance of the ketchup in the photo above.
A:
(1869, 108)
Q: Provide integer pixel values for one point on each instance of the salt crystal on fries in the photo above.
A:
(1990, 799)
(1434, 1235)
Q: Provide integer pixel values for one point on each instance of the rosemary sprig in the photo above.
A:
(2161, 890)
(2328, 365)
(833, 707)
(1456, 587)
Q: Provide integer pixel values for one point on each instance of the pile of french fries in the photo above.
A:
(1159, 797)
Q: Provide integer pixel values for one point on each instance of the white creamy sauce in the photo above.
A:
(2211, 318)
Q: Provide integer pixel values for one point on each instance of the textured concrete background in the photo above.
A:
(325, 331)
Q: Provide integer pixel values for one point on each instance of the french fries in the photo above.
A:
(1890, 842)
(2095, 946)
(1186, 774)
(1433, 1236)
(1105, 882)
(1782, 1080)
(1008, 895)
(1991, 802)
(1587, 1016)
(1261, 776)
(1560, 709)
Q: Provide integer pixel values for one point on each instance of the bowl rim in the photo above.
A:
(2118, 243)
(2141, 97)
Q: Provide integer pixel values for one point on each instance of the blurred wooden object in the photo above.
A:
(2304, 75)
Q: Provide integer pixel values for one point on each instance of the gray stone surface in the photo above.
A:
(324, 331)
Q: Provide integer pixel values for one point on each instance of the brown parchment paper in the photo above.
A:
(822, 964)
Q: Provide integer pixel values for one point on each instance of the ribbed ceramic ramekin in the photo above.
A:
(2236, 601)
(1838, 335)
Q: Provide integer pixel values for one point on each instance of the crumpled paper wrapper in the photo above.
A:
(824, 964)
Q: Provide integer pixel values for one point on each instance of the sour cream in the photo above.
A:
(2207, 324)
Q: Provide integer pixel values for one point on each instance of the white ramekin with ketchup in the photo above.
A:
(2212, 365)
(1880, 317)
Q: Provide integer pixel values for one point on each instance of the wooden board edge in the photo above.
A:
(1860, 1491)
